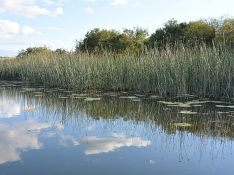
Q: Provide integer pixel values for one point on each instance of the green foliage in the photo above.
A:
(170, 34)
(200, 32)
(228, 30)
(106, 60)
(173, 33)
(60, 51)
(32, 51)
(137, 36)
(110, 40)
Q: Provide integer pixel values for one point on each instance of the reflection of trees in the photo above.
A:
(214, 130)
(156, 117)
(207, 122)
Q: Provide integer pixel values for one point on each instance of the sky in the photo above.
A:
(59, 23)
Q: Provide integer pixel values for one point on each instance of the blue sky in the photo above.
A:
(58, 23)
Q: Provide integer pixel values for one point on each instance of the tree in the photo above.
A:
(200, 32)
(224, 28)
(138, 37)
(60, 51)
(33, 50)
(227, 30)
(170, 34)
(98, 40)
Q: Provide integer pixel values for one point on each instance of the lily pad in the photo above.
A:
(92, 99)
(154, 96)
(182, 124)
(38, 95)
(223, 106)
(168, 102)
(136, 100)
(128, 97)
(182, 105)
(187, 112)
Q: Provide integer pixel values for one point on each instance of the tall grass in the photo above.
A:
(201, 71)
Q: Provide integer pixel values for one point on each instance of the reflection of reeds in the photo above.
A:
(199, 71)
(210, 132)
(205, 120)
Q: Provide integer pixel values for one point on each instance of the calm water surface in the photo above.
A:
(59, 132)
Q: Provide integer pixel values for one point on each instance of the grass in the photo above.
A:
(201, 71)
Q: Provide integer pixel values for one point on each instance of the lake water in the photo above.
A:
(59, 132)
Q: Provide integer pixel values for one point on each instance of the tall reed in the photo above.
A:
(201, 71)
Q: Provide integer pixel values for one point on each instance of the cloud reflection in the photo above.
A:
(8, 107)
(104, 145)
(95, 145)
(17, 138)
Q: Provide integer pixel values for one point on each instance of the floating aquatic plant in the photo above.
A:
(187, 112)
(92, 99)
(182, 124)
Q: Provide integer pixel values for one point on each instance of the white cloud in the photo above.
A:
(9, 107)
(8, 28)
(138, 3)
(119, 2)
(55, 2)
(27, 8)
(18, 138)
(89, 10)
(27, 30)
(49, 2)
(59, 11)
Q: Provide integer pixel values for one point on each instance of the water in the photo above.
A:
(61, 132)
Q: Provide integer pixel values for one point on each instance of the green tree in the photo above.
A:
(170, 34)
(137, 36)
(60, 51)
(32, 51)
(227, 31)
(98, 40)
(200, 32)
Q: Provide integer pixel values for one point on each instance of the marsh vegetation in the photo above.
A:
(201, 71)
(180, 58)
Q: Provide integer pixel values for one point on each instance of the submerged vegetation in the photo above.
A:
(180, 58)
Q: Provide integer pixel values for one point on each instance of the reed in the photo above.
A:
(201, 71)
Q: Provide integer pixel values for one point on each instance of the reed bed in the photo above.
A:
(201, 71)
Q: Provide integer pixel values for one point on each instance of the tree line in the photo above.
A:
(172, 33)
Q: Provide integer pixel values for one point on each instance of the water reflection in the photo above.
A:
(104, 145)
(195, 132)
(205, 119)
(95, 145)
(9, 107)
(17, 138)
